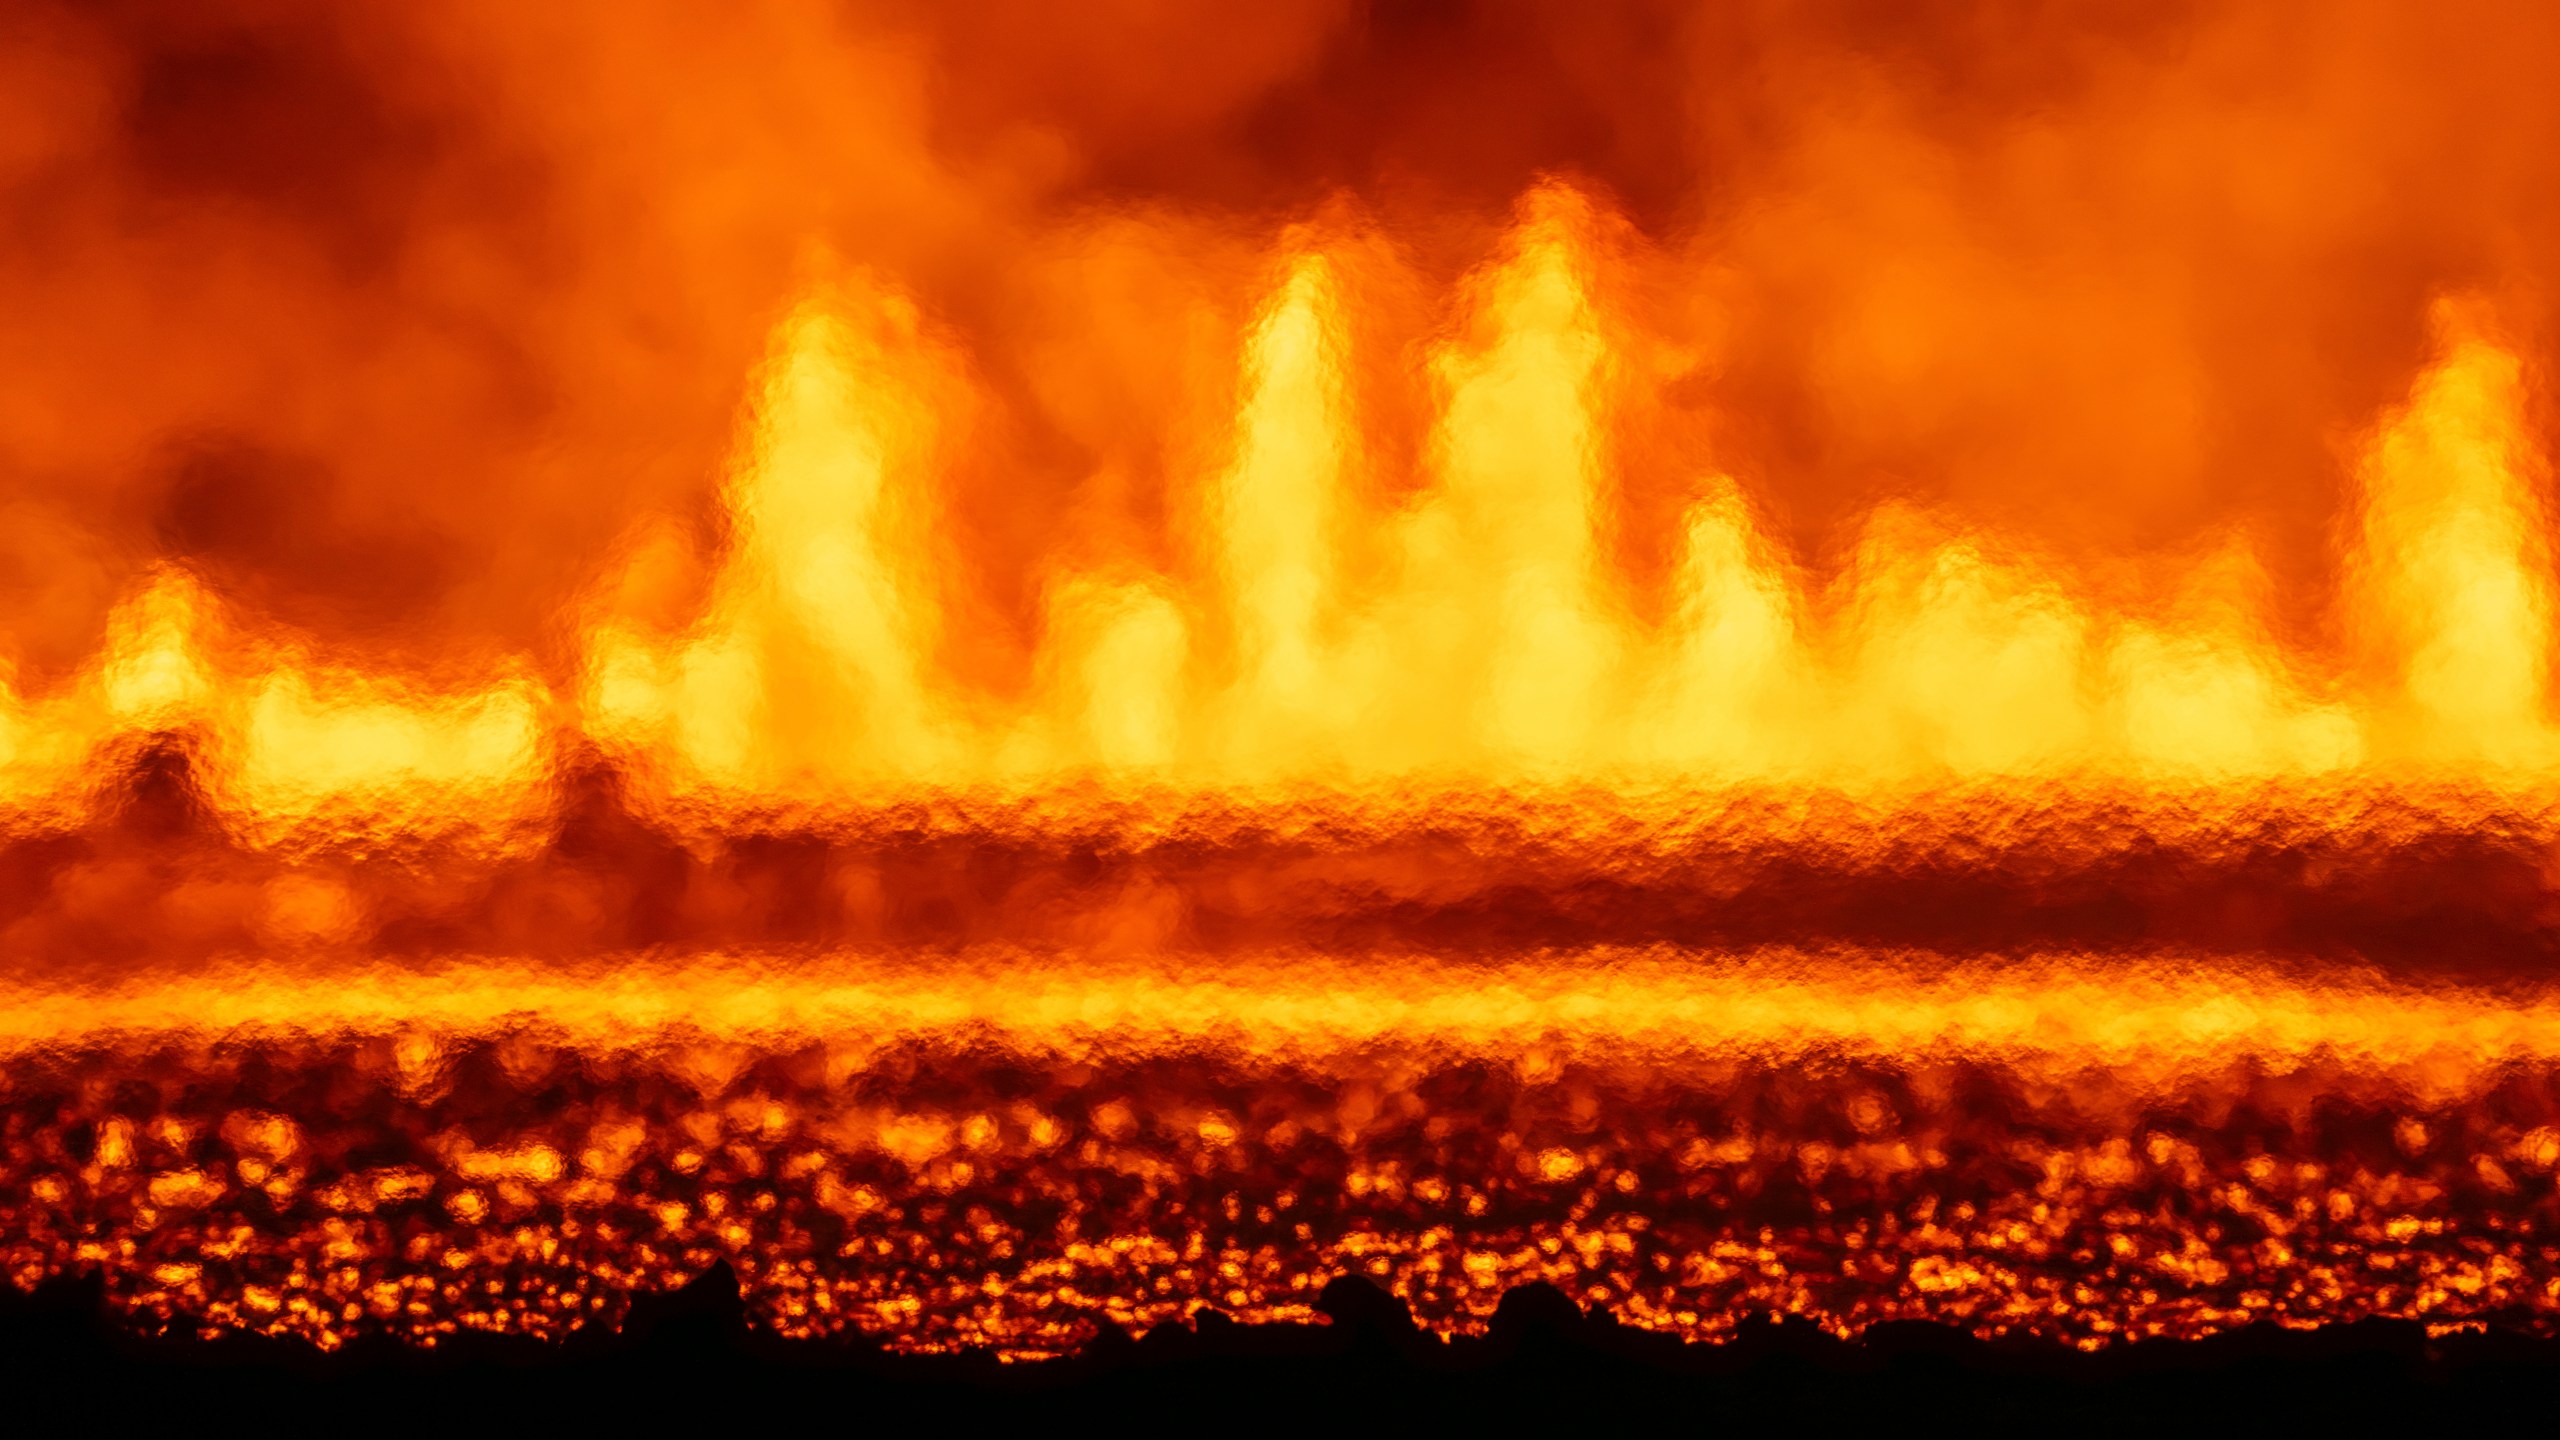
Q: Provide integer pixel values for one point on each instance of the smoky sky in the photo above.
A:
(393, 322)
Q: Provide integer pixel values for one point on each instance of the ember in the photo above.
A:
(1020, 688)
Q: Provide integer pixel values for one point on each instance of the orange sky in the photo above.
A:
(394, 323)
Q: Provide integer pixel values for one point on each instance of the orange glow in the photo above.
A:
(2152, 1021)
(1487, 642)
(1595, 635)
(1434, 1126)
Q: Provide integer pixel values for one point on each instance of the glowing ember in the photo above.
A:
(1183, 753)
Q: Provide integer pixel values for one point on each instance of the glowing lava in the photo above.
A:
(1425, 810)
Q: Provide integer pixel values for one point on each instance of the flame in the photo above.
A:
(959, 677)
(2451, 600)
(1490, 642)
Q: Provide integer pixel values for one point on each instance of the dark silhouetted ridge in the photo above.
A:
(691, 1354)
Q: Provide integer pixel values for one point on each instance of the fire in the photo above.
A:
(1486, 641)
(1424, 801)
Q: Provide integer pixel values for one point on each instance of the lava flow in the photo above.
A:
(1029, 672)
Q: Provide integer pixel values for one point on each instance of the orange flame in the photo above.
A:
(1488, 642)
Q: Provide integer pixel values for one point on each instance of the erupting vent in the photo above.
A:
(1839, 735)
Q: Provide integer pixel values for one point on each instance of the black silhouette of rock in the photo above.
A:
(1365, 1316)
(1536, 1317)
(705, 1314)
(690, 1356)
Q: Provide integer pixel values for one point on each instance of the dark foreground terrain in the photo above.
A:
(690, 1358)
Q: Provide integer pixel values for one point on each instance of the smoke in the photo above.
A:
(398, 324)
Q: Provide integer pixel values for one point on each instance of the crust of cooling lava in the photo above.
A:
(1018, 1158)
(2445, 881)
(992, 1079)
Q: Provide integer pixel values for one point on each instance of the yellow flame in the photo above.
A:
(2452, 596)
(152, 675)
(303, 750)
(1484, 636)
(811, 664)
(1729, 698)
(1501, 570)
(1277, 508)
(1119, 700)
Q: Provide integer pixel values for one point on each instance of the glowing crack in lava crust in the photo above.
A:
(1862, 671)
